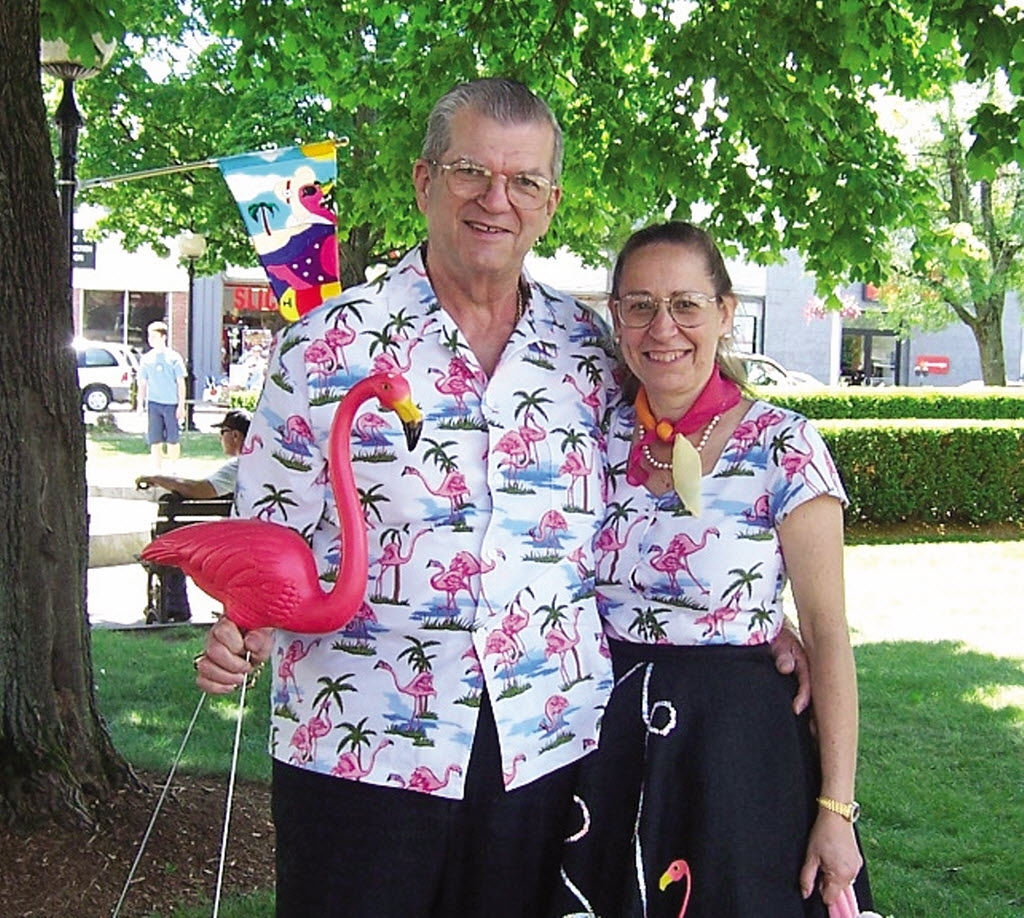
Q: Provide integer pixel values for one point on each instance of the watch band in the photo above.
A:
(849, 811)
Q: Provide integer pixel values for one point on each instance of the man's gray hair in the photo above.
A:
(501, 100)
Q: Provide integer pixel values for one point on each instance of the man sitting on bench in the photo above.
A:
(233, 429)
(221, 483)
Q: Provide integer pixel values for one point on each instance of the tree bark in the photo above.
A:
(988, 332)
(55, 755)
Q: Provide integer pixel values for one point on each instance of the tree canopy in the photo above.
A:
(759, 115)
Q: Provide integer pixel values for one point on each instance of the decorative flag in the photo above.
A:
(286, 198)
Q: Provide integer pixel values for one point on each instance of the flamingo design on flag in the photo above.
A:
(286, 198)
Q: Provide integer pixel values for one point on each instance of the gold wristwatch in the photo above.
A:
(849, 811)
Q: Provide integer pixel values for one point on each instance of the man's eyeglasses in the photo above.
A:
(688, 310)
(469, 180)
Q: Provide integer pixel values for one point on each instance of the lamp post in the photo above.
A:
(56, 60)
(191, 247)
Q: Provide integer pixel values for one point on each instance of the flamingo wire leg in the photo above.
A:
(230, 795)
(159, 804)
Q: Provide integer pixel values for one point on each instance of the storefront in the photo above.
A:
(250, 320)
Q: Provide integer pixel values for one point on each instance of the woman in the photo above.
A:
(703, 774)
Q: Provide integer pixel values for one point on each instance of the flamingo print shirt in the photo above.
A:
(480, 540)
(665, 576)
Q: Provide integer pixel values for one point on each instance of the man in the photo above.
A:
(425, 756)
(162, 396)
(233, 429)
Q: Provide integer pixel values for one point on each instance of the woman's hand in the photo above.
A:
(223, 666)
(833, 859)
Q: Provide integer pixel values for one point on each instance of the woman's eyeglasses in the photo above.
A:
(687, 310)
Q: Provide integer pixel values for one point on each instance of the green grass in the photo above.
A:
(941, 779)
(941, 776)
(146, 689)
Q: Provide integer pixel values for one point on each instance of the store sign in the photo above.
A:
(932, 366)
(250, 299)
(83, 254)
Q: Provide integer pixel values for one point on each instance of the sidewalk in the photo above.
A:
(120, 522)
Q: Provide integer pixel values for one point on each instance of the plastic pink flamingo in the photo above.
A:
(677, 870)
(265, 573)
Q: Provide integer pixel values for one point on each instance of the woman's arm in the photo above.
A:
(812, 547)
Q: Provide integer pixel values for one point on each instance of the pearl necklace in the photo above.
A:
(667, 466)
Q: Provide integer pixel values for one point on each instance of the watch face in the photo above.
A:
(854, 812)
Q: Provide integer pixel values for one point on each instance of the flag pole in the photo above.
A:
(148, 173)
(182, 167)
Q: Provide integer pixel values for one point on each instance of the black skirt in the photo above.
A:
(701, 796)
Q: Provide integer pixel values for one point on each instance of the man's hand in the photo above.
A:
(791, 657)
(223, 666)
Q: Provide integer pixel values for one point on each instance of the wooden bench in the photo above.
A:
(166, 596)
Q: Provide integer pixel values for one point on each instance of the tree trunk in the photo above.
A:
(55, 755)
(355, 253)
(988, 333)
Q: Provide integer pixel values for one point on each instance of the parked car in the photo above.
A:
(764, 371)
(106, 372)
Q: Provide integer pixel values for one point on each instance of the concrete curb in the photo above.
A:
(112, 549)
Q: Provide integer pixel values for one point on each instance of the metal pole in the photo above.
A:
(190, 379)
(69, 119)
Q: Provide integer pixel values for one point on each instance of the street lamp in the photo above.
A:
(191, 247)
(56, 60)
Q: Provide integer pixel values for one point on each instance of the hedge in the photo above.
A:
(900, 465)
(990, 403)
(914, 471)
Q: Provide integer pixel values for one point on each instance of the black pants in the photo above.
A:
(352, 850)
